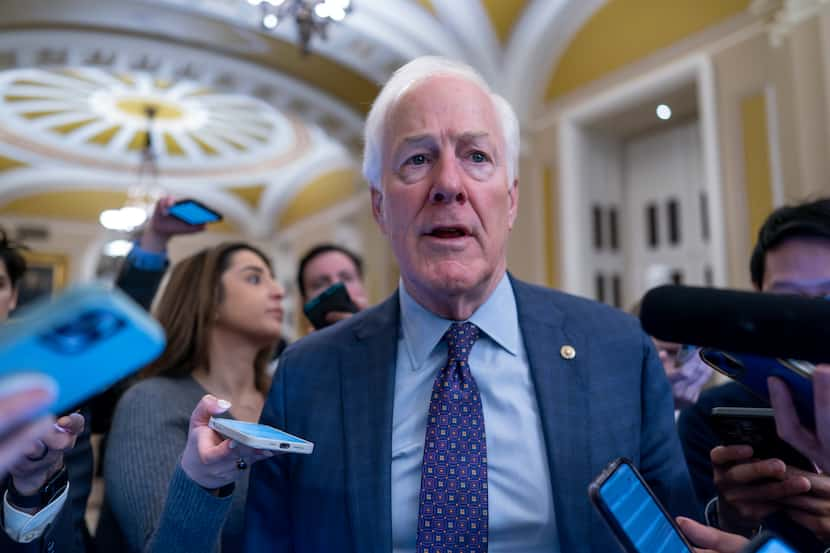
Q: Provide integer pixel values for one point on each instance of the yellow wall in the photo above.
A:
(756, 161)
(625, 31)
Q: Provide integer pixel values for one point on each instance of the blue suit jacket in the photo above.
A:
(336, 388)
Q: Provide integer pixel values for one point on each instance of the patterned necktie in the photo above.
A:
(452, 517)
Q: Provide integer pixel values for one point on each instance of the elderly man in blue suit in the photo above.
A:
(469, 411)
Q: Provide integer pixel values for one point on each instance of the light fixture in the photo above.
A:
(118, 248)
(143, 194)
(311, 16)
(663, 112)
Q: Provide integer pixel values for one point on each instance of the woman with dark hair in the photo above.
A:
(12, 267)
(172, 483)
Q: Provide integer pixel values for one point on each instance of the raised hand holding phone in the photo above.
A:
(210, 459)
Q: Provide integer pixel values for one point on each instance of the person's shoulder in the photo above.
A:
(571, 307)
(161, 390)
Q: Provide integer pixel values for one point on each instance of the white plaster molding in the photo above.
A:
(574, 236)
(539, 38)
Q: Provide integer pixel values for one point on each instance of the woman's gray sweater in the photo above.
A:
(156, 505)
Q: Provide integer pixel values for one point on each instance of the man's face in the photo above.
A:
(798, 266)
(329, 268)
(446, 205)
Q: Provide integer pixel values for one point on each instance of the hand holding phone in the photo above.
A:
(756, 427)
(639, 521)
(209, 459)
(193, 212)
(333, 299)
(85, 340)
(752, 372)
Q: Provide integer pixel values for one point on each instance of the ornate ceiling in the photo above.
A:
(244, 122)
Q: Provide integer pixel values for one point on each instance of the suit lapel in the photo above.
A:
(368, 384)
(561, 392)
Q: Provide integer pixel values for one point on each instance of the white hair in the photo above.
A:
(416, 71)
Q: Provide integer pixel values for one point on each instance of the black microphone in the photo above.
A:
(771, 325)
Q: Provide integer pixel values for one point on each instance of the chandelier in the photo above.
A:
(311, 16)
(141, 196)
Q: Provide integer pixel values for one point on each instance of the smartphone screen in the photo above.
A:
(193, 212)
(638, 515)
(262, 431)
(774, 545)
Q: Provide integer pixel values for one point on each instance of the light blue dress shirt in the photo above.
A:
(519, 487)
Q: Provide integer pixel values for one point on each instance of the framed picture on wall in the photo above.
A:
(45, 274)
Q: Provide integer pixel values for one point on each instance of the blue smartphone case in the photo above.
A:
(193, 212)
(753, 370)
(85, 339)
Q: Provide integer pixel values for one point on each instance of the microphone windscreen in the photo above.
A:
(772, 325)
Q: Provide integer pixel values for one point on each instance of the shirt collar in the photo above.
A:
(422, 329)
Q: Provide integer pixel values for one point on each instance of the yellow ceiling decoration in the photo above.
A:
(80, 204)
(503, 14)
(7, 164)
(104, 137)
(250, 194)
(353, 89)
(322, 193)
(137, 106)
(70, 127)
(624, 31)
(427, 5)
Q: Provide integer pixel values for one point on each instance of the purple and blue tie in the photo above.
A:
(452, 517)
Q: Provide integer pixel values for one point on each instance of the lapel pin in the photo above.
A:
(567, 352)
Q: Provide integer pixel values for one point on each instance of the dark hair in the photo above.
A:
(320, 250)
(805, 220)
(11, 254)
(187, 308)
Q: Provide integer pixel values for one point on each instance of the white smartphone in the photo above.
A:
(260, 436)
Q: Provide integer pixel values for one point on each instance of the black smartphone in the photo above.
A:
(639, 521)
(755, 426)
(333, 298)
(767, 542)
(753, 370)
(194, 212)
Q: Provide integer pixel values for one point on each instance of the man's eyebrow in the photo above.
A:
(473, 136)
(253, 268)
(417, 140)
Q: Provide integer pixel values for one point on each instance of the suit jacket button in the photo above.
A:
(567, 352)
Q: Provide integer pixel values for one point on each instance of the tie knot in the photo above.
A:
(460, 338)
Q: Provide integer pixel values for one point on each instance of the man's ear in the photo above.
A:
(378, 210)
(13, 301)
(513, 207)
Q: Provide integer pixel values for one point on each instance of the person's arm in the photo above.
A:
(267, 513)
(662, 463)
(37, 486)
(144, 268)
(201, 488)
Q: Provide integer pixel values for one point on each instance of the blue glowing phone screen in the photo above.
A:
(774, 545)
(641, 518)
(262, 431)
(193, 213)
